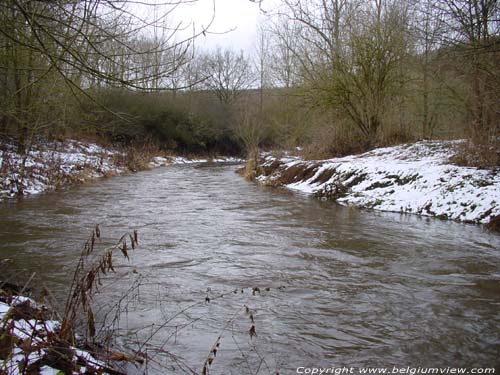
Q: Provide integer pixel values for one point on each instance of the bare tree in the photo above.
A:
(428, 29)
(263, 62)
(228, 74)
(473, 32)
(285, 50)
(350, 55)
(84, 44)
(74, 35)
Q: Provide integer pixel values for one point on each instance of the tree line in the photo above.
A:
(385, 71)
(333, 76)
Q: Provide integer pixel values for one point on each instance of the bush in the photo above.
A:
(481, 155)
(133, 117)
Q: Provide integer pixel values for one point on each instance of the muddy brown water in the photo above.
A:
(338, 286)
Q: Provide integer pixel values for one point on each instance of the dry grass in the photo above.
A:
(329, 144)
(269, 169)
(252, 168)
(56, 347)
(324, 176)
(479, 155)
(137, 157)
(87, 279)
(298, 172)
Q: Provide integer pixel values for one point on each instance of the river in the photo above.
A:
(337, 286)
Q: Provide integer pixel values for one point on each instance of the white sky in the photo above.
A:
(237, 19)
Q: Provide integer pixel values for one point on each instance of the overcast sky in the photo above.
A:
(238, 19)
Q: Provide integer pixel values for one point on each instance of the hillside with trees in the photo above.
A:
(334, 77)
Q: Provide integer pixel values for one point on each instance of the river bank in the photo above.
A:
(416, 178)
(53, 165)
(29, 342)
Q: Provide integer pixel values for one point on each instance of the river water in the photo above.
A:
(336, 286)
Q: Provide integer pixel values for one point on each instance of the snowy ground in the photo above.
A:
(413, 178)
(26, 341)
(53, 165)
(159, 161)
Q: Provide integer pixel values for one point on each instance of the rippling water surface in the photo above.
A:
(338, 286)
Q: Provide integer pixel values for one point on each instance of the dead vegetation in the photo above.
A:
(87, 280)
(137, 157)
(253, 167)
(270, 168)
(494, 224)
(298, 172)
(477, 154)
(30, 339)
(324, 176)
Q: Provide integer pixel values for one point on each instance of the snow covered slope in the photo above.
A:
(412, 178)
(56, 164)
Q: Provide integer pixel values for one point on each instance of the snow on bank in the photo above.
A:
(51, 165)
(56, 164)
(413, 178)
(26, 341)
(159, 161)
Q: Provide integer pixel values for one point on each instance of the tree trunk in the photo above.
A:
(478, 99)
(373, 126)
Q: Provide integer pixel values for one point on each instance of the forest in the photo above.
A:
(333, 77)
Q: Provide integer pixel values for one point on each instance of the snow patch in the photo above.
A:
(159, 161)
(50, 165)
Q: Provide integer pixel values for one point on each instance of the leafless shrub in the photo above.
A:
(137, 157)
(481, 155)
(27, 326)
(87, 279)
(253, 168)
(328, 141)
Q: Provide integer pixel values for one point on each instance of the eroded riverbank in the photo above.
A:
(414, 178)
